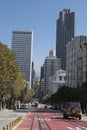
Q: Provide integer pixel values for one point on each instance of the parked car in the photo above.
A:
(36, 104)
(24, 106)
(45, 106)
(72, 109)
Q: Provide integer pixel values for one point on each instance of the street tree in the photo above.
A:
(9, 74)
(28, 95)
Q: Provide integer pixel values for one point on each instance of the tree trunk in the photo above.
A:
(0, 105)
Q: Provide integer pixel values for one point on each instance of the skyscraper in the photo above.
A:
(76, 61)
(22, 47)
(64, 33)
(51, 65)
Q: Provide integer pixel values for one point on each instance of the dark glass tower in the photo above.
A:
(64, 33)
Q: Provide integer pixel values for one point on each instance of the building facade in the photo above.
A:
(76, 61)
(56, 81)
(65, 31)
(22, 42)
(42, 80)
(51, 65)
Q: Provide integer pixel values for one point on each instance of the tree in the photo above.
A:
(18, 84)
(11, 77)
(28, 95)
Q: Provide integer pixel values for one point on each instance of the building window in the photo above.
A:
(86, 51)
(60, 78)
(64, 78)
(86, 74)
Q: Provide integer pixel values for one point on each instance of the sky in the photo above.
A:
(39, 16)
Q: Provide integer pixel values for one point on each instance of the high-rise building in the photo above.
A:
(42, 80)
(76, 61)
(33, 79)
(65, 31)
(42, 72)
(22, 47)
(51, 65)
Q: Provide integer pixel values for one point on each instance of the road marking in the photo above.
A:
(77, 128)
(29, 119)
(46, 119)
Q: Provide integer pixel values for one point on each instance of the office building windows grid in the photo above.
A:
(22, 47)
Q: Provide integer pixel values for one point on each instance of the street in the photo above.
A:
(47, 119)
(41, 119)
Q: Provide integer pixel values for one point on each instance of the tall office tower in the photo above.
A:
(51, 65)
(42, 72)
(22, 47)
(65, 31)
(41, 80)
(33, 79)
(76, 61)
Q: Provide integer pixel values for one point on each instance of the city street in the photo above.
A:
(43, 65)
(48, 119)
(41, 119)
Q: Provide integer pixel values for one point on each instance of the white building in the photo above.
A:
(56, 81)
(22, 42)
(51, 65)
(76, 61)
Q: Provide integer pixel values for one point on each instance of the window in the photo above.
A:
(60, 78)
(64, 78)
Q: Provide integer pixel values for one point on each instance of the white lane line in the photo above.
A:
(77, 128)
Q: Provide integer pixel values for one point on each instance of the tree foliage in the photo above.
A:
(18, 84)
(26, 95)
(66, 93)
(11, 78)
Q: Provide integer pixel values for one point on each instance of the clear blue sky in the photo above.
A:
(39, 16)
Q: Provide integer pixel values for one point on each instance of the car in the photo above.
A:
(24, 106)
(72, 109)
(36, 104)
(45, 106)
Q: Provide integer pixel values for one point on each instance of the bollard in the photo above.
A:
(3, 128)
(10, 126)
(13, 124)
(7, 127)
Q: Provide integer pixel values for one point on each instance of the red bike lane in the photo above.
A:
(54, 120)
(27, 122)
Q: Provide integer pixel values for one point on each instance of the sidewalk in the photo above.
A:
(7, 116)
(84, 117)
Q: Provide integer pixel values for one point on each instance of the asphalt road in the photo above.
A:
(52, 117)
(50, 120)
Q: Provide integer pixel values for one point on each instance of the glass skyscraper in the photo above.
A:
(65, 31)
(22, 47)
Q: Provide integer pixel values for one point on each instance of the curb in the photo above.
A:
(11, 125)
(20, 121)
